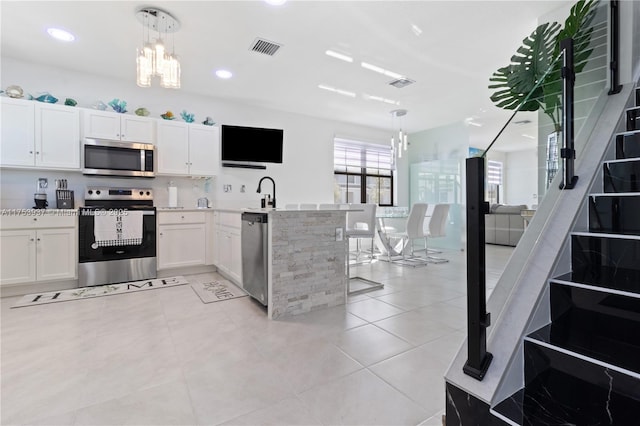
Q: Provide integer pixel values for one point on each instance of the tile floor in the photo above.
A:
(163, 357)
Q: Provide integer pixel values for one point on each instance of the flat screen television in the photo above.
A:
(251, 144)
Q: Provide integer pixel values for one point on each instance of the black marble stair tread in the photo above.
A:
(589, 335)
(557, 398)
(625, 280)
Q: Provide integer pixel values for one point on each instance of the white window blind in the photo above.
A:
(494, 172)
(352, 156)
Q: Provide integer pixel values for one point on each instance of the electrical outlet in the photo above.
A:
(243, 188)
(226, 188)
(43, 183)
(339, 234)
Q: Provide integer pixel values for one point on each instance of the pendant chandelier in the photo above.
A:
(399, 140)
(153, 60)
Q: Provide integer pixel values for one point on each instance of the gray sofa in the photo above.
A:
(504, 225)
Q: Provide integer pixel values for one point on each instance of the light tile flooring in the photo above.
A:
(163, 357)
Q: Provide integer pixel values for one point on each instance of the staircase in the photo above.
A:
(584, 367)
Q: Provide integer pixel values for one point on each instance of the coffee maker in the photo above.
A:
(40, 197)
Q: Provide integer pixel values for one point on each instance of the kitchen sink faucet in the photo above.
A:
(274, 189)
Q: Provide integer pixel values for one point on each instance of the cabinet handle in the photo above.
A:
(37, 152)
(31, 239)
(161, 234)
(35, 219)
(30, 152)
(37, 239)
(122, 136)
(182, 217)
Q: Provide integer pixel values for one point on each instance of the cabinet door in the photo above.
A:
(101, 124)
(137, 129)
(204, 150)
(18, 133)
(56, 253)
(224, 251)
(18, 260)
(57, 136)
(235, 267)
(181, 245)
(173, 148)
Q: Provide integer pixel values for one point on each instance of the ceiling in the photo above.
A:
(450, 48)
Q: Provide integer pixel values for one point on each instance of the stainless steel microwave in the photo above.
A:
(117, 158)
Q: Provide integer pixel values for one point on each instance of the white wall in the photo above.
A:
(520, 177)
(306, 174)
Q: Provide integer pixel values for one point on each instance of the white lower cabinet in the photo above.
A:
(227, 245)
(31, 253)
(183, 239)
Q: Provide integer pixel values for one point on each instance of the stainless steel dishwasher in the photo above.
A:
(255, 237)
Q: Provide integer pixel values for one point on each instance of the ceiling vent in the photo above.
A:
(265, 47)
(401, 82)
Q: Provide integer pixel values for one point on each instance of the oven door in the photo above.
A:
(116, 158)
(118, 262)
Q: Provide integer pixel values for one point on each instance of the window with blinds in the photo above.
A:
(363, 172)
(494, 181)
(353, 157)
(494, 172)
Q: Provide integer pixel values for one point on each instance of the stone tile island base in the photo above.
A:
(307, 263)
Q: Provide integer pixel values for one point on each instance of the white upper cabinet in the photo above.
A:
(57, 136)
(38, 134)
(115, 126)
(188, 149)
(173, 148)
(204, 151)
(18, 133)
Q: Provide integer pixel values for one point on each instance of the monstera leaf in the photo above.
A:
(518, 83)
(533, 79)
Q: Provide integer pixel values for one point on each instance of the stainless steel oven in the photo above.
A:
(117, 158)
(117, 236)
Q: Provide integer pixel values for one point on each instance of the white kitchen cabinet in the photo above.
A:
(228, 250)
(40, 135)
(115, 126)
(18, 132)
(187, 149)
(38, 249)
(183, 239)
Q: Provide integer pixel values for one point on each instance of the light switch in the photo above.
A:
(339, 234)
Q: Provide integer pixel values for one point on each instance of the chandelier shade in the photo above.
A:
(399, 141)
(152, 58)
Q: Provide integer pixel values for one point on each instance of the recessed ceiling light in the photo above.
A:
(416, 30)
(224, 74)
(339, 56)
(61, 35)
(275, 2)
(380, 70)
(338, 91)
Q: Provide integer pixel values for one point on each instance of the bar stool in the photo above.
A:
(361, 223)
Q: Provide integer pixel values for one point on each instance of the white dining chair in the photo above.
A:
(437, 229)
(414, 229)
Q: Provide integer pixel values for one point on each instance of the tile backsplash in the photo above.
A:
(19, 186)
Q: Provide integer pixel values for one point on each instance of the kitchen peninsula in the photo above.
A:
(306, 260)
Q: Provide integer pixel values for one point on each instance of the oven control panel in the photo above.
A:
(96, 193)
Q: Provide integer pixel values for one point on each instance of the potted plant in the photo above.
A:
(533, 79)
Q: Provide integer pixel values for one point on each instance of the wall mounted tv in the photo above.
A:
(242, 146)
